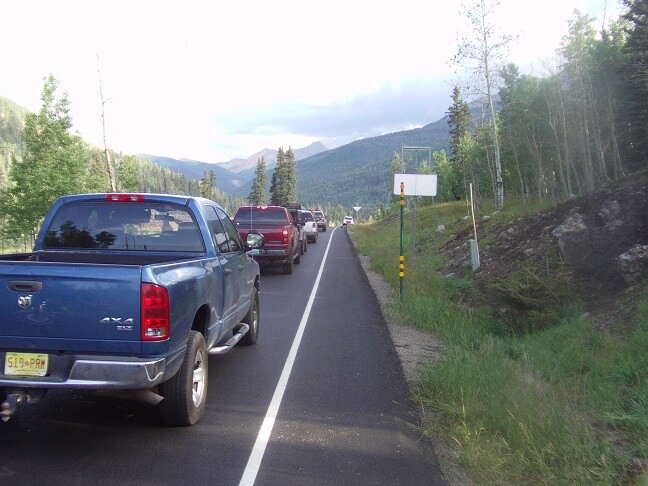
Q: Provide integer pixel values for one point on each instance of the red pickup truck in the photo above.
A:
(281, 235)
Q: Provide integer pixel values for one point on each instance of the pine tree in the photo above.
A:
(459, 120)
(461, 124)
(208, 185)
(282, 179)
(257, 194)
(290, 178)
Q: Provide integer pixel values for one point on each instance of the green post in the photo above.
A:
(401, 264)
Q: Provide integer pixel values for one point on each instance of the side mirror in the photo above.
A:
(254, 240)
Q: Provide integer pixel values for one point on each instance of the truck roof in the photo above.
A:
(130, 197)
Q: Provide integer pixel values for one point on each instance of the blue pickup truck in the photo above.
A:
(128, 293)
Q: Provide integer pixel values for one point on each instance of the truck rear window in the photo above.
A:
(138, 226)
(260, 215)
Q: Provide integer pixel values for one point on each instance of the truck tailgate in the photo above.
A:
(70, 307)
(273, 234)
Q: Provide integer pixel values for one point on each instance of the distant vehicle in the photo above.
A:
(298, 220)
(347, 220)
(320, 218)
(281, 236)
(310, 226)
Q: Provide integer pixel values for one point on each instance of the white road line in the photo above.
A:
(256, 456)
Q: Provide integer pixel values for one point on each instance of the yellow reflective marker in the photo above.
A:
(401, 275)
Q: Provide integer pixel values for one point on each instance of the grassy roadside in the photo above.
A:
(564, 404)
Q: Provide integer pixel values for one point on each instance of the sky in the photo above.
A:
(212, 81)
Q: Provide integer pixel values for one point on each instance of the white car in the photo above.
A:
(310, 226)
(347, 220)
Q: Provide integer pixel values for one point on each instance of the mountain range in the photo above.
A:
(355, 174)
(234, 174)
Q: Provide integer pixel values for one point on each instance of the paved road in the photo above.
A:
(320, 400)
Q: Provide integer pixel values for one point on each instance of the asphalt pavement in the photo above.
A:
(319, 400)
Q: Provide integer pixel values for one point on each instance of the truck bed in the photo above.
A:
(99, 258)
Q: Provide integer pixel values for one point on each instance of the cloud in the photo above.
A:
(408, 104)
(218, 80)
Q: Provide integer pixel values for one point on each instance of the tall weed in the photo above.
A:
(508, 426)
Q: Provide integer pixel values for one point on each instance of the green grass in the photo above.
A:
(565, 404)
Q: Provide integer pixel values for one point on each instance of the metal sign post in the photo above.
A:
(417, 185)
(401, 259)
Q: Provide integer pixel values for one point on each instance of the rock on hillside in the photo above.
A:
(602, 237)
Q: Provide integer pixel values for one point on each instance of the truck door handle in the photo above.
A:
(227, 271)
(25, 285)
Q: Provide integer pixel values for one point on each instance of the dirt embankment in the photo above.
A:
(601, 238)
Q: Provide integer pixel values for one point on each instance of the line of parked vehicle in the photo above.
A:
(131, 292)
(286, 231)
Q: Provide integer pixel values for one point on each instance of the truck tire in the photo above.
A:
(289, 263)
(305, 245)
(252, 320)
(299, 254)
(185, 393)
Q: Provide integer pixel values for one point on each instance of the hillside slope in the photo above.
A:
(602, 252)
(548, 336)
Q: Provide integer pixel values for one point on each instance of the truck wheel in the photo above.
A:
(298, 259)
(252, 320)
(289, 264)
(305, 245)
(185, 393)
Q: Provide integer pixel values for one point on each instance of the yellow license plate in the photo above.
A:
(26, 364)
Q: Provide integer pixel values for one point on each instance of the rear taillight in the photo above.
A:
(155, 313)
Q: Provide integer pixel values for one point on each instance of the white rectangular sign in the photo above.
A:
(416, 184)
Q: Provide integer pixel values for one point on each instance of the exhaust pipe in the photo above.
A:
(18, 397)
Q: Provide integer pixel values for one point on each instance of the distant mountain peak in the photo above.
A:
(270, 157)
